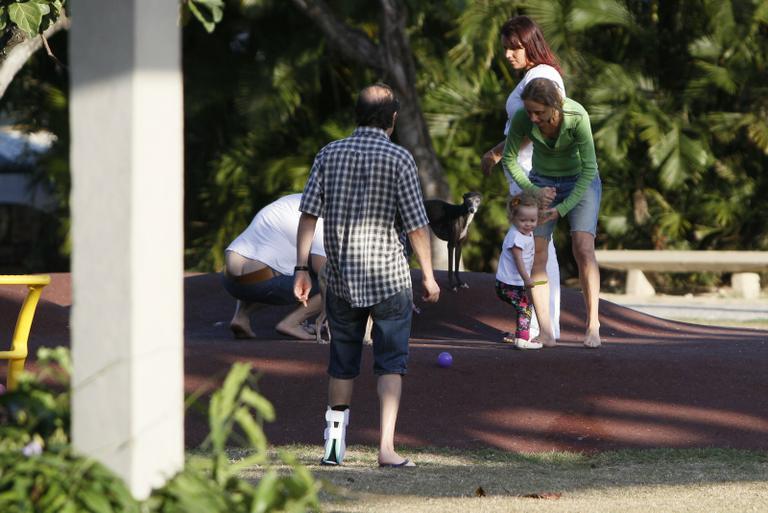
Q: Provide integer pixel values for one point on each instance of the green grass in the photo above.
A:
(660, 480)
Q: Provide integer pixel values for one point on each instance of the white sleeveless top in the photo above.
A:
(515, 103)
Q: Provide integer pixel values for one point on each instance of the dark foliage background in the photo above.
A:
(676, 92)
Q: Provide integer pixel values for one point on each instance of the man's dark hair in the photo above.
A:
(375, 106)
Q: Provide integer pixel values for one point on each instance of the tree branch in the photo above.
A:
(352, 43)
(15, 58)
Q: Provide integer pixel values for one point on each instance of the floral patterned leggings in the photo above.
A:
(517, 296)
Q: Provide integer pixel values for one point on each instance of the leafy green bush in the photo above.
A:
(40, 472)
(38, 411)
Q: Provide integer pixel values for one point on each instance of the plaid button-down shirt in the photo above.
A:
(367, 191)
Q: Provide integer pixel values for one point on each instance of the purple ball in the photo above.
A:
(444, 359)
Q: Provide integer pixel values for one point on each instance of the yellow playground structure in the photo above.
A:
(18, 353)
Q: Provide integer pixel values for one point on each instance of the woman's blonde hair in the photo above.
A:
(524, 199)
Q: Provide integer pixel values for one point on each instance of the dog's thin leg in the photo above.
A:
(451, 249)
(460, 283)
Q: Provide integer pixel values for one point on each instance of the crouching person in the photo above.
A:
(367, 191)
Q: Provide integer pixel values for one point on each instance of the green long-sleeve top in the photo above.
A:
(571, 154)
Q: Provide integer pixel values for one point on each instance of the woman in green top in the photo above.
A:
(565, 177)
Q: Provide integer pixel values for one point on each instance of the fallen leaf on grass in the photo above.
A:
(543, 495)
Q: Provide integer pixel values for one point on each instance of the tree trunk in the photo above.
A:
(400, 73)
(394, 60)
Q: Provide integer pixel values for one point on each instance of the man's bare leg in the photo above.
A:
(540, 293)
(241, 321)
(238, 265)
(389, 389)
(340, 391)
(589, 276)
(291, 324)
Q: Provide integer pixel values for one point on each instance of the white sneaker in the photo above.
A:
(335, 436)
(521, 343)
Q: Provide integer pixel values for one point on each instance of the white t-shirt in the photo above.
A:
(515, 103)
(507, 270)
(271, 236)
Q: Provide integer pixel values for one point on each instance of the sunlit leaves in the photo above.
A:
(479, 31)
(615, 225)
(207, 12)
(718, 76)
(32, 17)
(706, 47)
(586, 14)
(757, 130)
(27, 16)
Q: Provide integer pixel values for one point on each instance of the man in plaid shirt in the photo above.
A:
(367, 191)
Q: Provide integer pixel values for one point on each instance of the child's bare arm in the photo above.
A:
(517, 256)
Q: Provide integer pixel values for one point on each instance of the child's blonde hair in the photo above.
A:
(524, 199)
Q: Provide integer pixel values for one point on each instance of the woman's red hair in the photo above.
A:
(522, 32)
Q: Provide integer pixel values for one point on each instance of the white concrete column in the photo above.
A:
(127, 224)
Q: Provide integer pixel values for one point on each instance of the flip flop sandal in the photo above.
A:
(403, 464)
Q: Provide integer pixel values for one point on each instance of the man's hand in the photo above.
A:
(547, 215)
(302, 285)
(302, 282)
(431, 290)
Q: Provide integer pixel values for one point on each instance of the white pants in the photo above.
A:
(553, 277)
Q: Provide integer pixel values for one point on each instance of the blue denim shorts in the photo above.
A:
(276, 291)
(582, 217)
(391, 331)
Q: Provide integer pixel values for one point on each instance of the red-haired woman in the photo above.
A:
(528, 52)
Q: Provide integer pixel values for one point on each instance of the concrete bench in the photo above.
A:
(744, 265)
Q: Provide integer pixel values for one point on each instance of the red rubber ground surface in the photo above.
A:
(654, 383)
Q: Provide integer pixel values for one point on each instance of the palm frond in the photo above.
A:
(706, 47)
(478, 31)
(586, 14)
(715, 76)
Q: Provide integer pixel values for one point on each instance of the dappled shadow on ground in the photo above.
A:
(655, 383)
(435, 478)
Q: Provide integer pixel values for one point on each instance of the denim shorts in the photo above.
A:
(391, 331)
(276, 291)
(582, 217)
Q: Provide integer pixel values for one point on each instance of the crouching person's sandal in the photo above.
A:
(335, 436)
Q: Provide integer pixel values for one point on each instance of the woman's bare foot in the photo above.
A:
(592, 339)
(299, 332)
(545, 341)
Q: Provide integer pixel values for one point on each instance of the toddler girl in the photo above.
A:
(513, 276)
